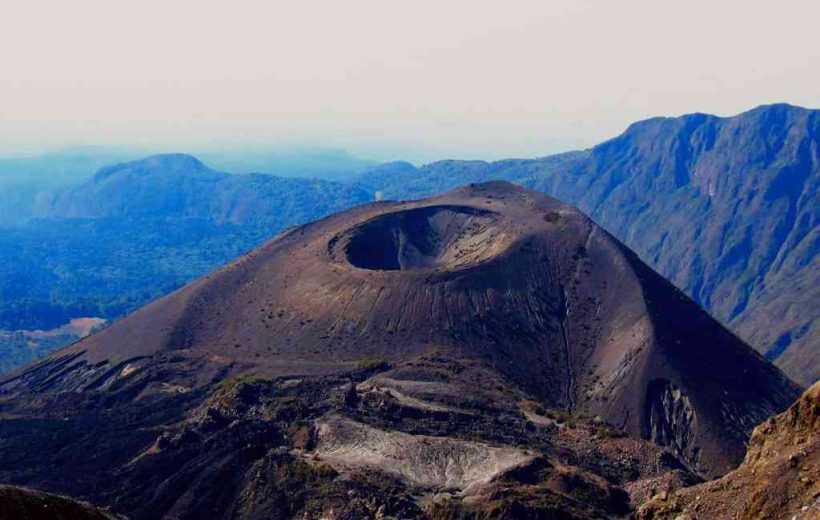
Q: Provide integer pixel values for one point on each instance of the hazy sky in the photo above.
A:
(417, 79)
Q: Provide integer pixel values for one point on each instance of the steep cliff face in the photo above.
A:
(779, 478)
(725, 208)
(469, 347)
(670, 418)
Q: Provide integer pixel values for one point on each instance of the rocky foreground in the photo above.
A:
(779, 478)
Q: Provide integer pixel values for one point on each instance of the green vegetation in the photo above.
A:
(17, 349)
(61, 269)
(229, 384)
(372, 364)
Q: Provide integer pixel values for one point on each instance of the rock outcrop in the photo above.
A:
(779, 478)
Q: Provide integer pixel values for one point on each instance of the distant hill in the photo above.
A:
(181, 186)
(137, 230)
(726, 208)
(27, 182)
(25, 179)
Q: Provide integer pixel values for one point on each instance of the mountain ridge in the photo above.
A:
(725, 207)
(180, 185)
(168, 163)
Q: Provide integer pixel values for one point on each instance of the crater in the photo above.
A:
(444, 237)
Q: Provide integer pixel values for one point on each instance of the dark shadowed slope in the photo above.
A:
(726, 208)
(779, 478)
(490, 349)
(26, 504)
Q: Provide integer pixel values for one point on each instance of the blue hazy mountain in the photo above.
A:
(300, 162)
(27, 179)
(137, 230)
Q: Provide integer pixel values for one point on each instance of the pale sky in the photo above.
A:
(414, 79)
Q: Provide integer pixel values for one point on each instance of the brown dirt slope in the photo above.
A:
(779, 478)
